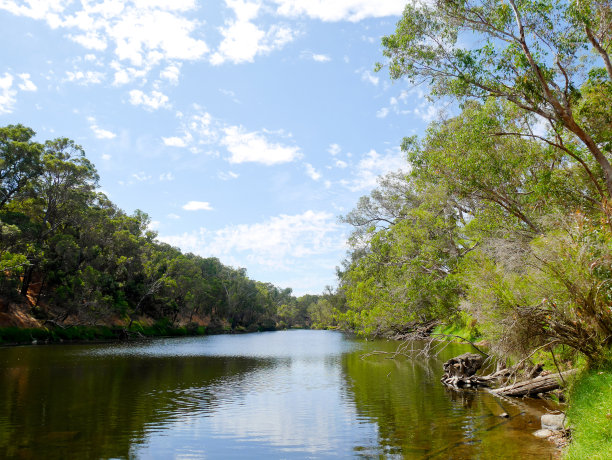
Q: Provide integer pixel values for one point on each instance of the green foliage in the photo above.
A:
(463, 325)
(404, 274)
(536, 54)
(20, 160)
(552, 289)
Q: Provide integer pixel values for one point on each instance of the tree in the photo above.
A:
(405, 274)
(61, 193)
(503, 177)
(537, 54)
(20, 160)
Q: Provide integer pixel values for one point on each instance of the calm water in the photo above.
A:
(293, 394)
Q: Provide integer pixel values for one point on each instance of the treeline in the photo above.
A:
(74, 258)
(504, 220)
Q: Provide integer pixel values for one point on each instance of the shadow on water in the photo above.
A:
(100, 406)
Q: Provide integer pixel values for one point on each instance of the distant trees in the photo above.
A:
(76, 257)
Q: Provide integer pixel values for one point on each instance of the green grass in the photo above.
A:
(590, 416)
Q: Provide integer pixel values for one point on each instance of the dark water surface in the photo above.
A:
(293, 394)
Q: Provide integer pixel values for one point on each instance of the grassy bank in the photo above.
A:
(590, 416)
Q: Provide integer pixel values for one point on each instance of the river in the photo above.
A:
(287, 394)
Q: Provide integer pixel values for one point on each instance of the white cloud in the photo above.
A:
(340, 10)
(174, 141)
(243, 40)
(369, 77)
(427, 112)
(382, 113)
(255, 147)
(203, 125)
(173, 216)
(197, 206)
(99, 132)
(341, 164)
(126, 74)
(321, 57)
(372, 165)
(231, 94)
(166, 176)
(85, 78)
(7, 94)
(26, 84)
(171, 73)
(315, 57)
(276, 242)
(90, 40)
(106, 157)
(153, 101)
(227, 175)
(141, 176)
(334, 149)
(312, 172)
(142, 32)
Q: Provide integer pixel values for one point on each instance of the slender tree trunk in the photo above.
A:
(27, 279)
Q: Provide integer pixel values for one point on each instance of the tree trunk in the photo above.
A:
(541, 384)
(461, 370)
(27, 279)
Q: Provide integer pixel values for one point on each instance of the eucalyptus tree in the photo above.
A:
(540, 55)
(59, 196)
(405, 273)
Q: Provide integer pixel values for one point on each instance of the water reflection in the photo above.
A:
(284, 394)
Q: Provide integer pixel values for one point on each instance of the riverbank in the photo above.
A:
(589, 409)
(10, 336)
(590, 416)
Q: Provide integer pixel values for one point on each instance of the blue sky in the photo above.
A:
(243, 128)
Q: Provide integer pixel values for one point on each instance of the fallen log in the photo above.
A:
(531, 387)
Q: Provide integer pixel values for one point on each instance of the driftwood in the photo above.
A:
(460, 371)
(531, 387)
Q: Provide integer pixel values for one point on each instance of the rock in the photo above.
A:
(504, 415)
(543, 434)
(553, 421)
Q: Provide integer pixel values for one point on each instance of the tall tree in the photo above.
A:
(59, 195)
(534, 53)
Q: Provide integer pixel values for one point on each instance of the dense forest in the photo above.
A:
(504, 222)
(71, 257)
